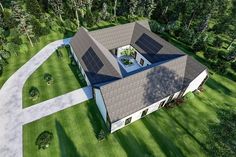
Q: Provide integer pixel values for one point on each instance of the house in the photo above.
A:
(133, 71)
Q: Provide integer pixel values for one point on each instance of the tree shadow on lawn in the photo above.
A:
(67, 147)
(132, 146)
(95, 118)
(188, 132)
(166, 144)
(218, 87)
(221, 140)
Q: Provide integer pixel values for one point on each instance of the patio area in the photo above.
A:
(128, 63)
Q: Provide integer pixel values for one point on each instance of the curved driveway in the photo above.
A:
(12, 116)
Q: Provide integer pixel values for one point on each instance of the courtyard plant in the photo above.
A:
(48, 78)
(44, 140)
(34, 93)
(128, 52)
(126, 61)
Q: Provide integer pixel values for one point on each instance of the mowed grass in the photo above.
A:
(25, 53)
(65, 78)
(181, 131)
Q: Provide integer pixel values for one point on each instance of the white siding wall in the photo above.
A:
(80, 67)
(196, 82)
(138, 56)
(137, 115)
(100, 103)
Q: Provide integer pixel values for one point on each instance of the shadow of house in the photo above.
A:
(132, 146)
(95, 118)
(218, 86)
(165, 143)
(67, 146)
(162, 82)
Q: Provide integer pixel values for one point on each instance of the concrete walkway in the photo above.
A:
(13, 117)
(56, 104)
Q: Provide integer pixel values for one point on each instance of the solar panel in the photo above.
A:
(92, 61)
(148, 44)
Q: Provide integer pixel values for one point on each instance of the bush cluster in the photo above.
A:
(44, 140)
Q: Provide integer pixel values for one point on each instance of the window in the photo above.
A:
(181, 93)
(128, 120)
(144, 113)
(141, 61)
(205, 79)
(162, 104)
(170, 98)
(134, 54)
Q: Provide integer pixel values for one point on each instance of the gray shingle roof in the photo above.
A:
(110, 70)
(165, 53)
(125, 93)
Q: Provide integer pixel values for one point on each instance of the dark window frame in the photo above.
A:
(134, 55)
(144, 113)
(128, 120)
(170, 98)
(162, 104)
(182, 93)
(141, 62)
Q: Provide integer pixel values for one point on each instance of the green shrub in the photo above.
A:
(211, 53)
(5, 54)
(48, 78)
(200, 45)
(34, 93)
(220, 66)
(101, 135)
(156, 27)
(233, 65)
(44, 140)
(217, 42)
(189, 96)
(59, 53)
(1, 70)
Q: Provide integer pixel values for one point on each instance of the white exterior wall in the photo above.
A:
(136, 116)
(196, 82)
(80, 67)
(138, 56)
(100, 103)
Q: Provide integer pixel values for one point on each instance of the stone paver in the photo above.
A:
(12, 116)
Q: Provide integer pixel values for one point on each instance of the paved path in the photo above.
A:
(12, 116)
(56, 104)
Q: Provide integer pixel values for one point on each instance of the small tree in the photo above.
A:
(211, 54)
(199, 45)
(34, 93)
(48, 78)
(23, 21)
(44, 140)
(33, 7)
(57, 7)
(233, 65)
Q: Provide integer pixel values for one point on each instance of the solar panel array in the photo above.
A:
(149, 45)
(92, 61)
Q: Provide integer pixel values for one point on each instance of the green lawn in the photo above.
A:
(186, 130)
(25, 53)
(65, 78)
